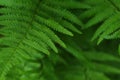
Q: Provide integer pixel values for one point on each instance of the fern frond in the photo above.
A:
(106, 68)
(70, 26)
(100, 56)
(108, 23)
(27, 31)
(108, 16)
(63, 13)
(32, 32)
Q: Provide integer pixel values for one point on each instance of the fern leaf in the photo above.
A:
(65, 14)
(25, 30)
(70, 26)
(107, 14)
(99, 17)
(106, 68)
(52, 24)
(44, 37)
(106, 24)
(50, 34)
(100, 56)
(114, 27)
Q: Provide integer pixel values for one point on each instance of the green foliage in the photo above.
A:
(56, 40)
(107, 12)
